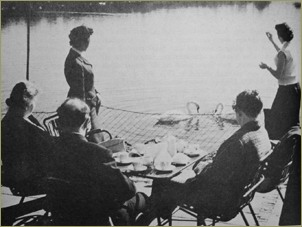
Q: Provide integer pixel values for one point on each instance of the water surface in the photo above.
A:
(155, 61)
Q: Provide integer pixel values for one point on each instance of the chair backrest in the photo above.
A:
(26, 188)
(245, 197)
(75, 203)
(51, 125)
(105, 134)
(251, 188)
(278, 164)
(65, 190)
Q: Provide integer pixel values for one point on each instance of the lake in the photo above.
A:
(154, 61)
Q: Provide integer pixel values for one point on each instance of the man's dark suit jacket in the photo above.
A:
(236, 162)
(217, 188)
(80, 78)
(91, 168)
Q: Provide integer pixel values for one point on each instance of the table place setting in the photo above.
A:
(193, 150)
(122, 158)
(163, 166)
(163, 158)
(138, 165)
(180, 159)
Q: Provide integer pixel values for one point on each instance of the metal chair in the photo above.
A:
(278, 165)
(22, 189)
(11, 214)
(34, 220)
(106, 134)
(51, 125)
(74, 203)
(19, 214)
(201, 214)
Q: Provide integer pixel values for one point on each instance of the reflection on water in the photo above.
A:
(157, 60)
(17, 10)
(192, 124)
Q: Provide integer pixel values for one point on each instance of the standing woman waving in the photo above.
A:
(80, 77)
(286, 106)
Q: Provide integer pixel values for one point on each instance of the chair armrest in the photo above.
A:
(93, 131)
(255, 186)
(274, 143)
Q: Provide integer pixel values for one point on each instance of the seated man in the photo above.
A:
(88, 188)
(216, 187)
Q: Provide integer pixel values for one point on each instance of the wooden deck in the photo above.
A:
(266, 206)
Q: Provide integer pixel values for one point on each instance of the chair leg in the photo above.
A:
(244, 218)
(165, 221)
(281, 196)
(200, 220)
(213, 223)
(22, 199)
(158, 221)
(254, 215)
(170, 220)
(111, 222)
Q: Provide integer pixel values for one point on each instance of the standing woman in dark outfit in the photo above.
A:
(286, 106)
(79, 75)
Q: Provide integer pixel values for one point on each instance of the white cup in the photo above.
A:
(148, 160)
(164, 164)
(123, 156)
(138, 165)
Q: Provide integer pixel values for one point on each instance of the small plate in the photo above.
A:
(167, 169)
(192, 153)
(178, 164)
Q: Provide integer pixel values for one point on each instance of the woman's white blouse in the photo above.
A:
(289, 74)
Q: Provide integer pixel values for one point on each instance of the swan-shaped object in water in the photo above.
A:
(175, 116)
(219, 108)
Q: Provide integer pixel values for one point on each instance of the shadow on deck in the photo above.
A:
(266, 206)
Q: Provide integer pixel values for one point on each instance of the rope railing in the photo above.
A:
(207, 129)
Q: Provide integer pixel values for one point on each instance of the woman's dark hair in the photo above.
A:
(285, 32)
(72, 113)
(248, 102)
(22, 95)
(79, 34)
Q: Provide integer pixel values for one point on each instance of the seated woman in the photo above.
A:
(26, 146)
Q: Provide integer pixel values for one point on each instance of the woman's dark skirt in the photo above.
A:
(285, 111)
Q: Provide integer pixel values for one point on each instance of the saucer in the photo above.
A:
(127, 161)
(192, 153)
(178, 164)
(169, 168)
(142, 169)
